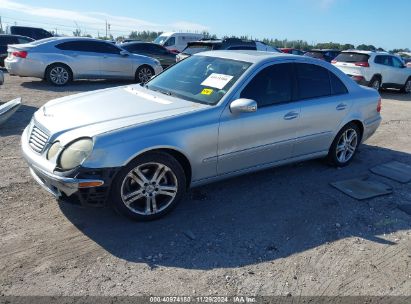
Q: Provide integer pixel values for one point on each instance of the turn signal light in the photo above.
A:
(90, 184)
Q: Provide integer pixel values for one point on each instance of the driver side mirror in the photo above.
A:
(243, 105)
(124, 53)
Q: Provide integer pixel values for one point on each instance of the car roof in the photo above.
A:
(17, 36)
(247, 55)
(365, 52)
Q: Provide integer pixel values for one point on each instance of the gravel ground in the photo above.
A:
(282, 231)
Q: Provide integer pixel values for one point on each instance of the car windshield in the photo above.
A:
(197, 48)
(41, 41)
(160, 39)
(199, 79)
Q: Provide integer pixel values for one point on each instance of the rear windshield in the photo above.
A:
(197, 48)
(314, 54)
(352, 57)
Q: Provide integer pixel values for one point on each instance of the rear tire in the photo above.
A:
(59, 74)
(149, 187)
(144, 74)
(407, 87)
(375, 83)
(345, 145)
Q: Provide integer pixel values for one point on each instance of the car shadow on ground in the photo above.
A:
(16, 123)
(395, 95)
(76, 86)
(254, 218)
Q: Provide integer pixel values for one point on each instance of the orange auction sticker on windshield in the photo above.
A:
(207, 92)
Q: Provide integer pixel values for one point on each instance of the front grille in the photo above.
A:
(38, 139)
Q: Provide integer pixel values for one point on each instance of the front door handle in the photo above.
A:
(291, 115)
(341, 106)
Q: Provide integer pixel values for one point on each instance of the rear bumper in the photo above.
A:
(23, 67)
(370, 127)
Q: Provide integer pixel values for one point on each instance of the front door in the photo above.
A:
(266, 136)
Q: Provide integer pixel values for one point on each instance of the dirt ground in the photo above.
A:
(283, 231)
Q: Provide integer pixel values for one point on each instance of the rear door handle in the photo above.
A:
(341, 106)
(291, 115)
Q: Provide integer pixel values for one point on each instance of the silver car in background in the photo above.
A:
(212, 116)
(61, 60)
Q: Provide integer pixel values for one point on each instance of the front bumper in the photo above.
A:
(81, 186)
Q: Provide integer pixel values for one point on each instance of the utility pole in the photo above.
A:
(106, 29)
(1, 26)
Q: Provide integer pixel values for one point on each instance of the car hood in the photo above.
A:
(106, 110)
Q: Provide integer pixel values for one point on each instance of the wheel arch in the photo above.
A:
(174, 152)
(58, 62)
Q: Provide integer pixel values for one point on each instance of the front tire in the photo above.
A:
(149, 187)
(407, 87)
(144, 74)
(59, 74)
(345, 145)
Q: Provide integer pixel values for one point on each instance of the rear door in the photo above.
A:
(266, 136)
(82, 57)
(324, 102)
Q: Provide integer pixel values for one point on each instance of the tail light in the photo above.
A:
(364, 64)
(333, 61)
(21, 54)
(379, 105)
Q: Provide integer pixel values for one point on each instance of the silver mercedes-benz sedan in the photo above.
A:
(61, 60)
(212, 116)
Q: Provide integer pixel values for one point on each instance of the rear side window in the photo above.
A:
(273, 85)
(313, 81)
(88, 46)
(352, 57)
(337, 85)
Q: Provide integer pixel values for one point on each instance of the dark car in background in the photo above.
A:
(292, 51)
(326, 55)
(225, 44)
(165, 56)
(28, 31)
(10, 39)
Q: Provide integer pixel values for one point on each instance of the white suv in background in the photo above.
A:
(375, 69)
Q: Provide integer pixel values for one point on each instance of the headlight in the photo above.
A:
(54, 149)
(75, 153)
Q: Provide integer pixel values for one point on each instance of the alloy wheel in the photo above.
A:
(145, 74)
(376, 84)
(149, 188)
(59, 75)
(408, 86)
(346, 146)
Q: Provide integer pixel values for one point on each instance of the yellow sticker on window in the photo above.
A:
(207, 92)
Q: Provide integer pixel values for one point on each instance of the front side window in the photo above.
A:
(396, 63)
(273, 85)
(200, 79)
(160, 39)
(171, 41)
(313, 81)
